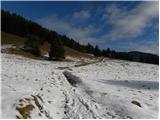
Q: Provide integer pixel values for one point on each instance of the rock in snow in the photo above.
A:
(104, 89)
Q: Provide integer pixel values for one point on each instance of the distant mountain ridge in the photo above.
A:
(144, 57)
(138, 52)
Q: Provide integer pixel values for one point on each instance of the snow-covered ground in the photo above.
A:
(104, 89)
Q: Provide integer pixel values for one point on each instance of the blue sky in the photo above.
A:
(123, 26)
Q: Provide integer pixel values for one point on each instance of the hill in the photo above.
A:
(22, 27)
(11, 39)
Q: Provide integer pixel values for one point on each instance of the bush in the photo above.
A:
(57, 51)
(97, 51)
(32, 44)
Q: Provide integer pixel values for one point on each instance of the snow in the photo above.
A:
(8, 46)
(104, 89)
(115, 84)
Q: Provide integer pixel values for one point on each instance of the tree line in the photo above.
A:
(37, 35)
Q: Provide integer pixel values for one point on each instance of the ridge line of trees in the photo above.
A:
(15, 24)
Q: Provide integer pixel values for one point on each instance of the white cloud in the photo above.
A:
(127, 24)
(83, 35)
(82, 15)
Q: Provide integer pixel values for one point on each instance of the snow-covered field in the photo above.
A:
(104, 89)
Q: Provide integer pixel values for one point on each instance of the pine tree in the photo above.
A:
(32, 44)
(57, 51)
(108, 52)
(97, 51)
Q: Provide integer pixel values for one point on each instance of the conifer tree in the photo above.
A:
(97, 51)
(32, 44)
(57, 51)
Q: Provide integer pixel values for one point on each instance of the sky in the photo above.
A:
(122, 26)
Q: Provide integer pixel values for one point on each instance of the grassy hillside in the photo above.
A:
(7, 38)
(74, 53)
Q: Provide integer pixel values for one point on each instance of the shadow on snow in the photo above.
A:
(135, 84)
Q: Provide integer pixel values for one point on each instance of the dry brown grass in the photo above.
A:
(25, 111)
(75, 53)
(7, 38)
(20, 52)
(45, 47)
(89, 63)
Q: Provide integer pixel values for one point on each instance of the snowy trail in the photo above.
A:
(116, 91)
(104, 89)
(79, 104)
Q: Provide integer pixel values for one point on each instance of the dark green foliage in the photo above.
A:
(32, 44)
(15, 24)
(57, 51)
(18, 25)
(104, 53)
(73, 44)
(108, 52)
(97, 51)
(89, 48)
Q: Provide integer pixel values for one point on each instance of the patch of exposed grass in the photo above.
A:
(7, 38)
(19, 52)
(88, 63)
(75, 53)
(25, 111)
(45, 48)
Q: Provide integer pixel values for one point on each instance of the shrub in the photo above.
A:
(57, 51)
(97, 51)
(32, 44)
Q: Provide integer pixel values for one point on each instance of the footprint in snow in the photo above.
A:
(109, 114)
(103, 94)
(143, 85)
(134, 94)
(129, 117)
(151, 98)
(49, 102)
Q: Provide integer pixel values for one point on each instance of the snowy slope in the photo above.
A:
(104, 89)
(115, 84)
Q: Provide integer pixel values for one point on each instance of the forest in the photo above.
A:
(37, 35)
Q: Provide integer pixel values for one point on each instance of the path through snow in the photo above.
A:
(105, 89)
